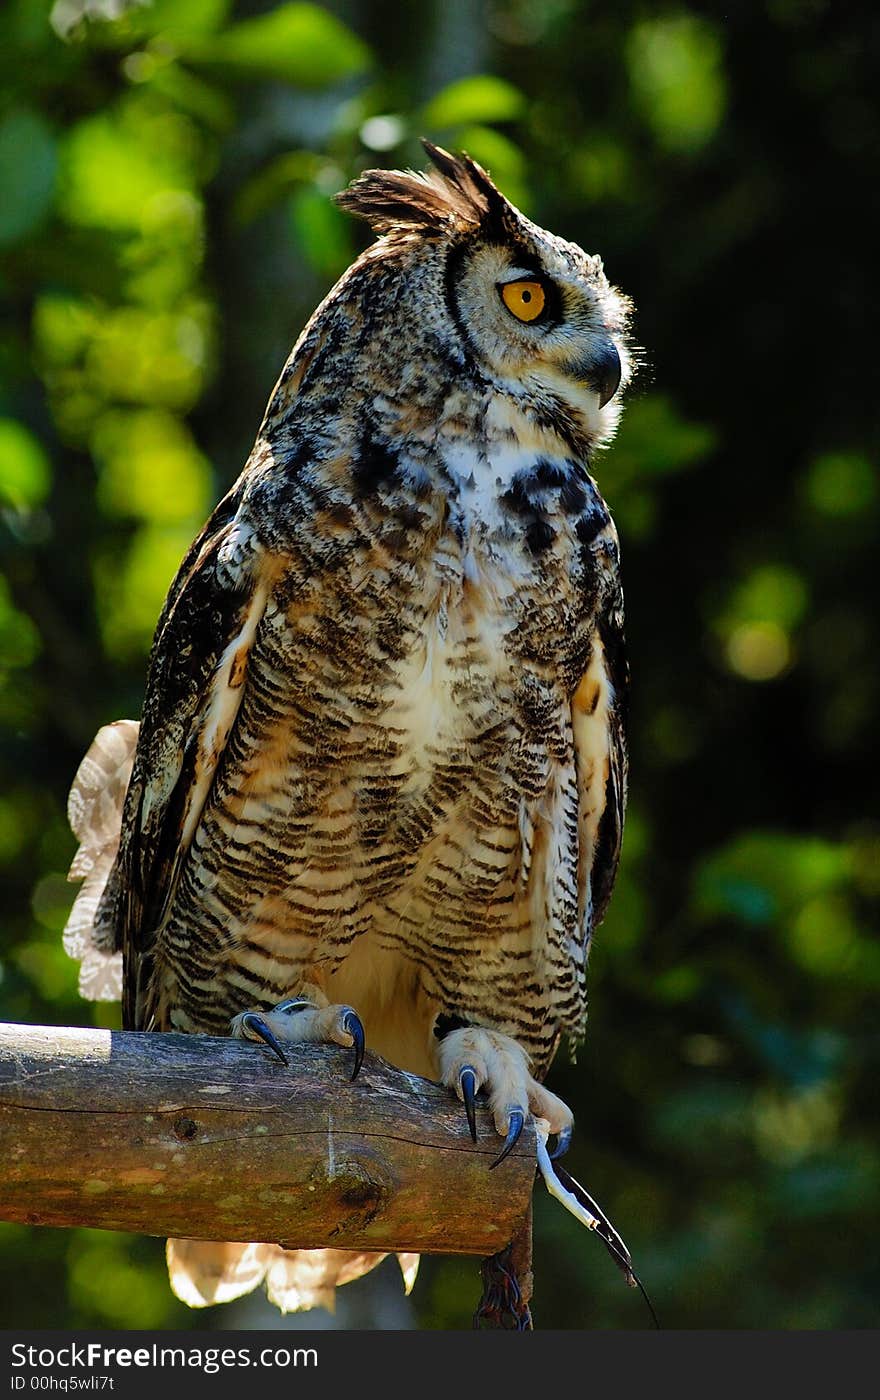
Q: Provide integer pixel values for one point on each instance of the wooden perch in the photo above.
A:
(211, 1138)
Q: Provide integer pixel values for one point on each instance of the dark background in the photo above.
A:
(165, 231)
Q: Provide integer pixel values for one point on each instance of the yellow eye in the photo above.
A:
(524, 299)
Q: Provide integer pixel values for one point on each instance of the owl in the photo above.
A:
(378, 787)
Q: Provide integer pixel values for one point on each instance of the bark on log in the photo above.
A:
(212, 1138)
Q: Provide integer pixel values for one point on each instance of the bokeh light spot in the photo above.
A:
(758, 651)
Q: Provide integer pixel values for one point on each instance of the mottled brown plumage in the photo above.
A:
(382, 761)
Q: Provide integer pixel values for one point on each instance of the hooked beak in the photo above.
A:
(601, 370)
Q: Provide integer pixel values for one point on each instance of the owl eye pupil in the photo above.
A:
(524, 300)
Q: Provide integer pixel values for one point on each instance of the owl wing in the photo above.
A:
(599, 707)
(197, 677)
(571, 840)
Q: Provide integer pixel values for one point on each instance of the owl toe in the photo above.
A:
(300, 1020)
(474, 1059)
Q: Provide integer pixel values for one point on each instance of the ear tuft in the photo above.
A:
(457, 196)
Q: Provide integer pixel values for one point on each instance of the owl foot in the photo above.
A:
(298, 1019)
(472, 1059)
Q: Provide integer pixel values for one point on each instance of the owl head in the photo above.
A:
(526, 312)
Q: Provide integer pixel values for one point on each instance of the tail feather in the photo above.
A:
(203, 1273)
(94, 810)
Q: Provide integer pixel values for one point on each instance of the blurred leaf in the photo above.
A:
(675, 734)
(841, 484)
(203, 100)
(151, 468)
(19, 638)
(20, 697)
(825, 939)
(164, 260)
(140, 357)
(602, 168)
(865, 849)
(181, 17)
(676, 984)
(16, 823)
(295, 43)
(93, 354)
(111, 1286)
(626, 922)
(115, 163)
(675, 69)
(27, 26)
(28, 162)
(129, 592)
(322, 231)
(46, 964)
(655, 439)
(50, 902)
(63, 326)
(762, 874)
(25, 473)
(480, 98)
(275, 180)
(769, 593)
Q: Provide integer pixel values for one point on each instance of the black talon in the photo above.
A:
(563, 1142)
(256, 1024)
(351, 1022)
(467, 1079)
(515, 1122)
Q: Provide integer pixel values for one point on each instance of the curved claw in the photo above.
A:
(515, 1121)
(256, 1024)
(563, 1142)
(352, 1023)
(467, 1080)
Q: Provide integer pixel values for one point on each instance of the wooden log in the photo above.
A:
(211, 1138)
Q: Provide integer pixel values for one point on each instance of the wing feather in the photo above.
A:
(599, 727)
(196, 681)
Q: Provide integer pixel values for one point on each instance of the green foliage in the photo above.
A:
(28, 161)
(321, 231)
(842, 484)
(25, 473)
(296, 43)
(166, 229)
(482, 98)
(677, 78)
(654, 441)
(117, 163)
(19, 638)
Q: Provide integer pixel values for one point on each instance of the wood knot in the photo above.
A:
(360, 1189)
(360, 1193)
(185, 1129)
